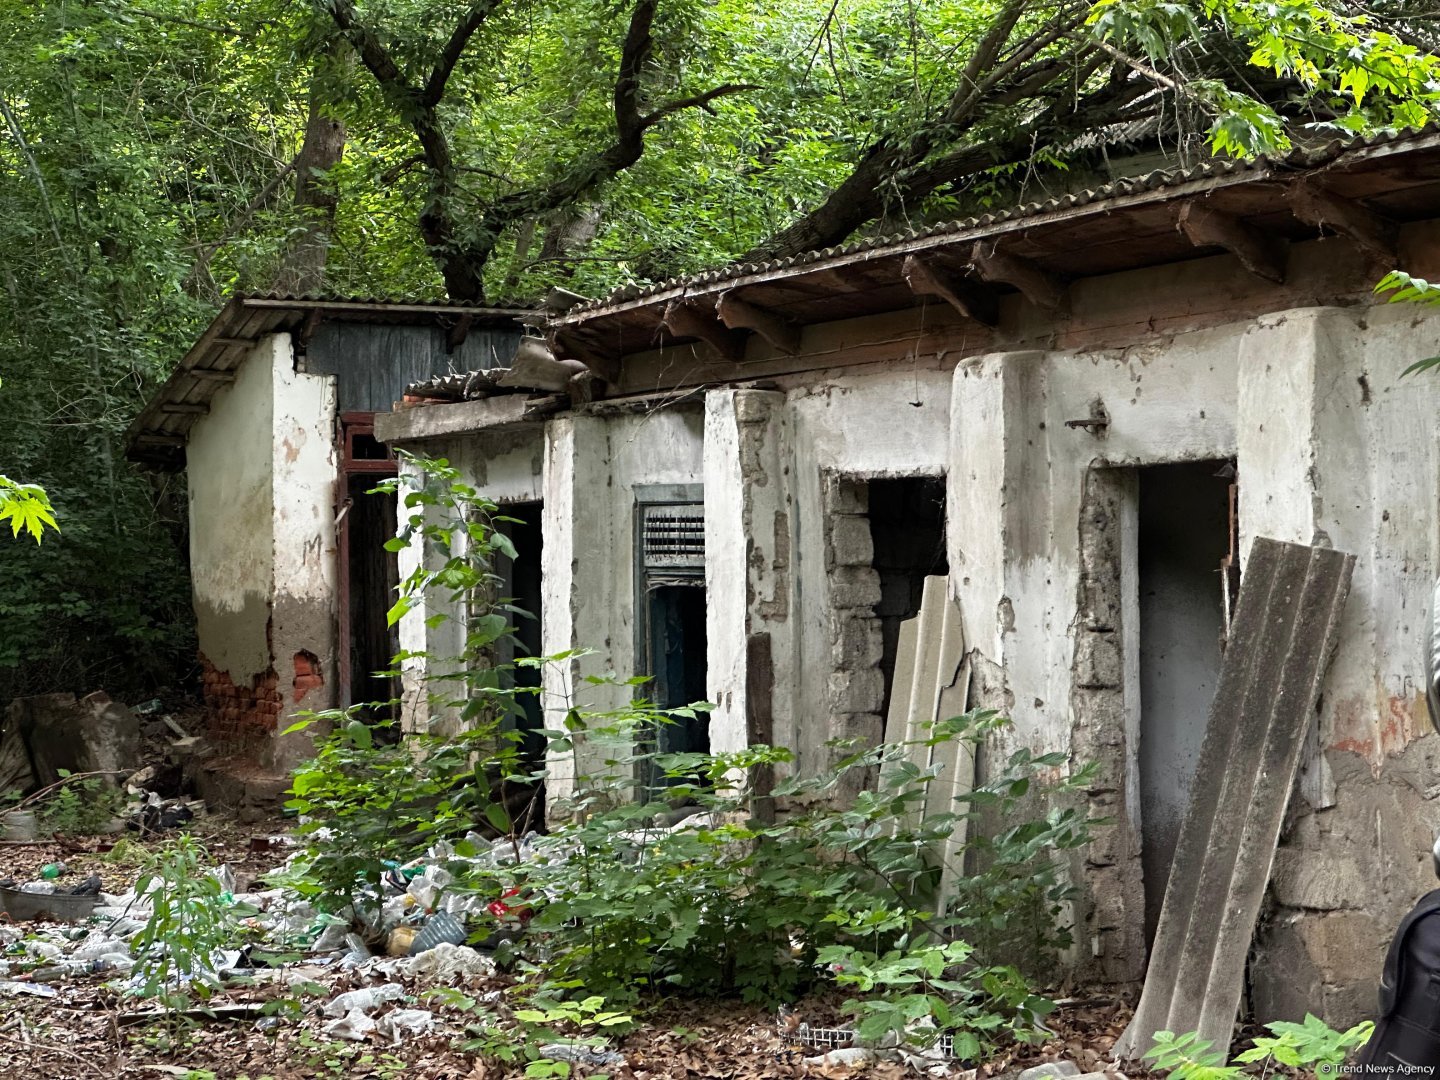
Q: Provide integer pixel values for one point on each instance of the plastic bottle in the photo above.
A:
(51, 871)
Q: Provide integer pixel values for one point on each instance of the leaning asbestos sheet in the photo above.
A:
(932, 682)
(1285, 630)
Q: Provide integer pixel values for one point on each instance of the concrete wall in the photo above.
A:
(262, 489)
(1332, 447)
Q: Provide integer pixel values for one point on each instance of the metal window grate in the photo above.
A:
(673, 537)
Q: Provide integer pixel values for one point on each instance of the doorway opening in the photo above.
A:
(670, 630)
(1183, 538)
(907, 531)
(520, 586)
(369, 574)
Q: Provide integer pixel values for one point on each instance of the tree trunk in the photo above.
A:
(303, 269)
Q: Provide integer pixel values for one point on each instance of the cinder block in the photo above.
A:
(854, 587)
(855, 640)
(849, 542)
(1097, 660)
(860, 691)
(843, 495)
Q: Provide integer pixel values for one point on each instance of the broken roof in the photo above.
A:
(1360, 188)
(157, 436)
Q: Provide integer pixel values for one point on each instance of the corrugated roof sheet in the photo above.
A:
(1304, 158)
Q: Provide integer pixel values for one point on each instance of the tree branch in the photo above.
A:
(373, 53)
(695, 101)
(454, 48)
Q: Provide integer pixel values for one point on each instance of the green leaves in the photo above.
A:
(1297, 1046)
(26, 507)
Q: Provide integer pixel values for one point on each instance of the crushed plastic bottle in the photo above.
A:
(51, 871)
(364, 1001)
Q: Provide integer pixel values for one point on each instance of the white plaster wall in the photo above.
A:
(1338, 450)
(892, 423)
(1016, 482)
(592, 465)
(726, 579)
(306, 559)
(231, 537)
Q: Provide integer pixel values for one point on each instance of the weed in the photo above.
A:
(1297, 1046)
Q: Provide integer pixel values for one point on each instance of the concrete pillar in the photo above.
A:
(998, 528)
(303, 637)
(579, 591)
(749, 508)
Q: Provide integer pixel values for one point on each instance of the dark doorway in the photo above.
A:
(1183, 535)
(373, 578)
(676, 663)
(521, 587)
(907, 528)
(369, 575)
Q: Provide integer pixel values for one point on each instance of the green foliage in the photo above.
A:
(191, 920)
(1362, 74)
(1297, 1046)
(26, 507)
(81, 806)
(615, 904)
(1403, 288)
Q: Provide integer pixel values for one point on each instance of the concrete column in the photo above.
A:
(749, 508)
(303, 636)
(998, 526)
(579, 587)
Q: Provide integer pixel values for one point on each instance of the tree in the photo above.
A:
(462, 248)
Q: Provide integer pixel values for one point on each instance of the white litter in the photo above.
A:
(353, 1025)
(448, 962)
(366, 1000)
(394, 1025)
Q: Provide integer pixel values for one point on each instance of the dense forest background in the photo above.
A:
(156, 155)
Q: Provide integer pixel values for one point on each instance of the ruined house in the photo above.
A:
(1080, 414)
(270, 415)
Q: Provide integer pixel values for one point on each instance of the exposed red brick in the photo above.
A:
(238, 716)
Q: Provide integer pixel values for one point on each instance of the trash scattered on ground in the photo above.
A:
(448, 963)
(580, 1054)
(353, 1025)
(398, 1023)
(366, 1000)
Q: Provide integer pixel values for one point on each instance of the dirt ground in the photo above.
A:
(87, 1030)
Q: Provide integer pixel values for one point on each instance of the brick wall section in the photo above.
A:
(240, 717)
(856, 688)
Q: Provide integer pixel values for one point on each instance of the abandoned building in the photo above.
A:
(270, 414)
(1078, 416)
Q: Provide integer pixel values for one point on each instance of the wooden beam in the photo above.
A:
(682, 320)
(232, 342)
(155, 438)
(1258, 252)
(212, 374)
(1040, 286)
(776, 329)
(1314, 205)
(197, 408)
(969, 300)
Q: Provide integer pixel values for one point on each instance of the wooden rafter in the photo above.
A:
(970, 300)
(776, 329)
(1040, 286)
(682, 320)
(1314, 205)
(1258, 252)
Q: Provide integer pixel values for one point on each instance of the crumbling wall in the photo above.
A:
(1106, 731)
(262, 474)
(1336, 449)
(853, 427)
(855, 690)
